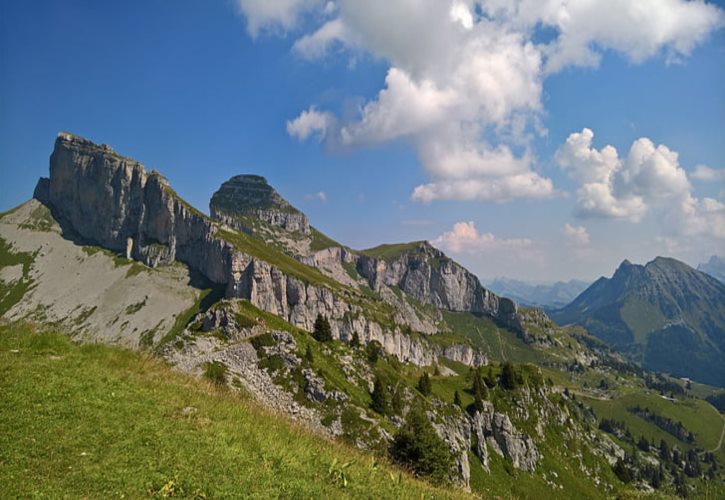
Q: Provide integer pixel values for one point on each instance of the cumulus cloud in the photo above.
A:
(468, 94)
(638, 30)
(464, 237)
(318, 44)
(577, 235)
(277, 14)
(705, 173)
(318, 196)
(648, 178)
(310, 123)
(528, 185)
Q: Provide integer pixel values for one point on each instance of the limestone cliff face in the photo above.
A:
(426, 274)
(114, 202)
(251, 195)
(111, 200)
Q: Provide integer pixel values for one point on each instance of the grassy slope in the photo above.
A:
(390, 251)
(11, 293)
(696, 415)
(320, 241)
(285, 263)
(109, 422)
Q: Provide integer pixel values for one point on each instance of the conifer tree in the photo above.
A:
(322, 331)
(380, 397)
(424, 384)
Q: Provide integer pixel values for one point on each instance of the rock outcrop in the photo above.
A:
(112, 201)
(251, 195)
(497, 431)
(429, 276)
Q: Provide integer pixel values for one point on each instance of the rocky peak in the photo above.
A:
(251, 195)
(427, 274)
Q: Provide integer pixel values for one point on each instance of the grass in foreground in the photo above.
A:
(96, 421)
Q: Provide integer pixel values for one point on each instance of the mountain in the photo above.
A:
(550, 296)
(666, 315)
(396, 349)
(715, 267)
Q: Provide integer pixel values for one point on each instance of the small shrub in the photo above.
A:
(216, 372)
(309, 357)
(264, 340)
(244, 321)
(355, 340)
(374, 350)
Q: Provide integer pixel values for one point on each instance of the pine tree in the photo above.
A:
(508, 376)
(643, 444)
(322, 331)
(355, 340)
(424, 384)
(398, 402)
(457, 399)
(380, 397)
(419, 446)
(665, 451)
(479, 390)
(490, 378)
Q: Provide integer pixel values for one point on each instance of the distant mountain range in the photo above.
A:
(546, 295)
(715, 267)
(665, 315)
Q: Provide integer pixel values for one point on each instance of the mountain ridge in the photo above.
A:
(642, 308)
(410, 328)
(545, 295)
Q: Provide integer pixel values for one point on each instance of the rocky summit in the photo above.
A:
(251, 196)
(396, 349)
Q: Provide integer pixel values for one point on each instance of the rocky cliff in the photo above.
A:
(111, 200)
(428, 275)
(251, 195)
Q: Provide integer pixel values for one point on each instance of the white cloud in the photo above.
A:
(318, 196)
(318, 44)
(705, 173)
(464, 237)
(465, 79)
(309, 123)
(649, 178)
(637, 29)
(577, 235)
(403, 108)
(528, 185)
(275, 14)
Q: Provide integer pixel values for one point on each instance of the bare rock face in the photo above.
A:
(496, 430)
(251, 195)
(431, 277)
(113, 201)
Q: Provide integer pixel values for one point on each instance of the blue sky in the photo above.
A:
(202, 91)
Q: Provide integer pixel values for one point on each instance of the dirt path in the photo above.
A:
(719, 444)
